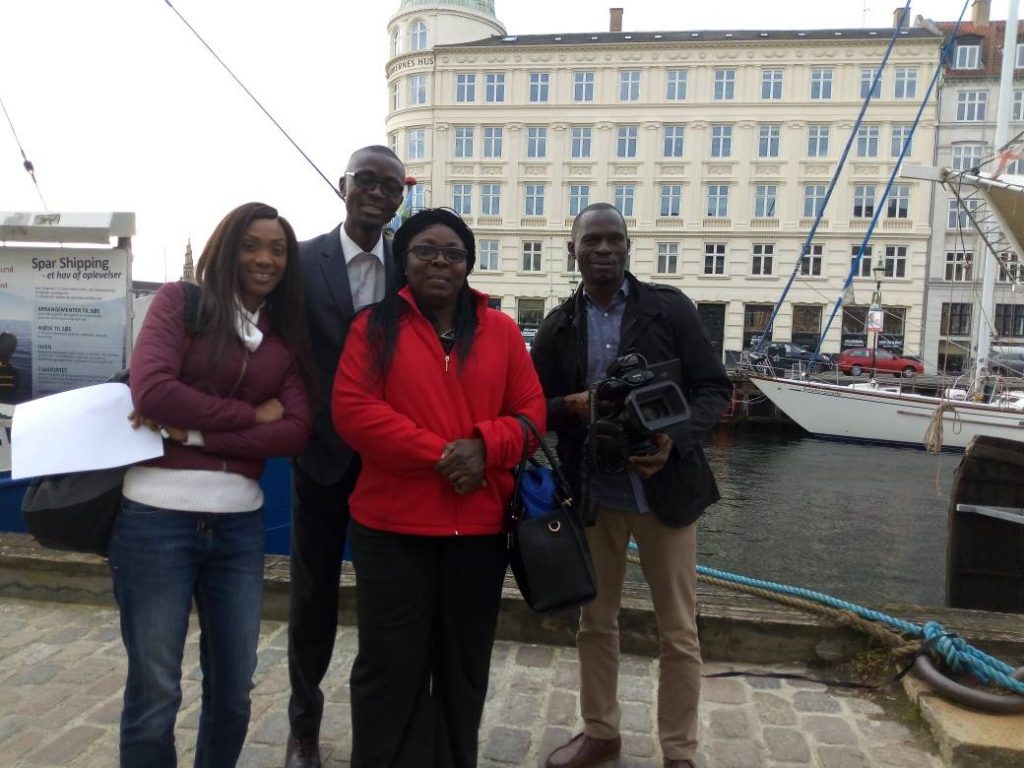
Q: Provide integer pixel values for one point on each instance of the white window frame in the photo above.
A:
(817, 140)
(624, 198)
(814, 199)
(417, 144)
(725, 85)
(867, 76)
(462, 199)
(629, 85)
(580, 141)
(579, 198)
(905, 83)
(533, 200)
(533, 256)
(540, 87)
(766, 201)
(626, 141)
(536, 142)
(901, 132)
(721, 140)
(494, 87)
(771, 84)
(490, 255)
(967, 56)
(583, 86)
(821, 84)
(762, 259)
(490, 199)
(465, 87)
(674, 141)
(418, 36)
(494, 138)
(769, 138)
(417, 90)
(464, 136)
(714, 259)
(959, 266)
(971, 106)
(867, 141)
(668, 259)
(897, 204)
(811, 264)
(675, 84)
(670, 198)
(895, 261)
(718, 201)
(863, 201)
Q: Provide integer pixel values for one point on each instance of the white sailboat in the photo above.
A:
(883, 414)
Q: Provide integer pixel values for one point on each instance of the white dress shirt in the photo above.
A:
(365, 270)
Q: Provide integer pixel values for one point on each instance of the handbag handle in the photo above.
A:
(556, 470)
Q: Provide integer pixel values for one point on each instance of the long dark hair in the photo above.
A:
(384, 317)
(217, 274)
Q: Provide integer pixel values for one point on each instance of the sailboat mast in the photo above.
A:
(991, 265)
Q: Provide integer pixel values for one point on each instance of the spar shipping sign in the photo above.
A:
(64, 319)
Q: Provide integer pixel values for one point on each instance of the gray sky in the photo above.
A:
(120, 108)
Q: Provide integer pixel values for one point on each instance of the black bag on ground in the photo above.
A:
(547, 549)
(76, 511)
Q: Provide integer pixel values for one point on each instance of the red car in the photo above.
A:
(854, 361)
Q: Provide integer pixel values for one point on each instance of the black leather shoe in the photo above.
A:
(302, 753)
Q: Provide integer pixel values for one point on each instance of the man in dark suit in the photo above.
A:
(344, 270)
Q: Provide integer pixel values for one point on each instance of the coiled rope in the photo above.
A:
(957, 654)
(933, 435)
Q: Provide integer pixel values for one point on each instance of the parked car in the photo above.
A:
(783, 355)
(856, 361)
(1007, 361)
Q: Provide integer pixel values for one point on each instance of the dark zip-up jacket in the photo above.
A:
(662, 324)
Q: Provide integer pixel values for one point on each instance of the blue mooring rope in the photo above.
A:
(958, 654)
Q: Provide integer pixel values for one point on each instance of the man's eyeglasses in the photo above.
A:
(367, 181)
(425, 252)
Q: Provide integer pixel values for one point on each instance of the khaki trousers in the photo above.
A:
(668, 558)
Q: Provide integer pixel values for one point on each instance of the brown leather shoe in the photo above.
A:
(679, 763)
(302, 753)
(583, 751)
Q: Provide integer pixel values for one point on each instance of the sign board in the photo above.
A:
(875, 319)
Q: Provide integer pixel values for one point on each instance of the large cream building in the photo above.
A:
(718, 147)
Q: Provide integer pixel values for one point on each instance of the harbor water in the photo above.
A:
(862, 523)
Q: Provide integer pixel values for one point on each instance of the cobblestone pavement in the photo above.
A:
(62, 670)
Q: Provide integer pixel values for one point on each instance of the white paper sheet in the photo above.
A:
(80, 429)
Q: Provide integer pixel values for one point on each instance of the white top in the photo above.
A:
(366, 276)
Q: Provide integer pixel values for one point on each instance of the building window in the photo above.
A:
(463, 141)
(418, 36)
(1009, 268)
(817, 141)
(418, 90)
(762, 258)
(671, 199)
(537, 141)
(487, 250)
(718, 201)
(867, 141)
(958, 266)
(957, 216)
(714, 258)
(865, 261)
(492, 140)
(494, 87)
(668, 258)
(771, 84)
(675, 85)
(971, 106)
(624, 196)
(417, 199)
(629, 85)
(530, 312)
(814, 200)
(673, 141)
(579, 142)
(534, 200)
(867, 77)
(1020, 56)
(625, 145)
(821, 84)
(494, 302)
(721, 141)
(579, 198)
(583, 86)
(905, 83)
(810, 264)
(863, 201)
(417, 149)
(901, 134)
(393, 142)
(1018, 105)
(898, 204)
(967, 56)
(725, 84)
(1009, 320)
(533, 251)
(768, 141)
(956, 320)
(396, 41)
(396, 97)
(465, 88)
(462, 199)
(490, 199)
(765, 196)
(967, 157)
(539, 87)
(895, 261)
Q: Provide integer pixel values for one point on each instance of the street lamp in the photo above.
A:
(875, 319)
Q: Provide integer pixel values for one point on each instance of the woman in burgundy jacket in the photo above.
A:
(227, 393)
(426, 393)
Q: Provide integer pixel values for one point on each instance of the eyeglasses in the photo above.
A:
(430, 252)
(367, 181)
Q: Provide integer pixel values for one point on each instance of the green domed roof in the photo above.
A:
(486, 7)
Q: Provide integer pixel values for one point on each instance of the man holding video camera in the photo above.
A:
(630, 479)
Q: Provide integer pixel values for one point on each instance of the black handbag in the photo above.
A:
(547, 549)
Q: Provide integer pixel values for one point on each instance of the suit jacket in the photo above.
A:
(329, 311)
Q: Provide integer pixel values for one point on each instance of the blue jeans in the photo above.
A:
(161, 560)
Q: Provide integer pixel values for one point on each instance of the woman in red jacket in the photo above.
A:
(191, 526)
(426, 393)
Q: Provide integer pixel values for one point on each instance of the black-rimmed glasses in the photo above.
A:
(367, 181)
(425, 252)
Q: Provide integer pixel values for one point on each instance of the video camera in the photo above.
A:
(633, 402)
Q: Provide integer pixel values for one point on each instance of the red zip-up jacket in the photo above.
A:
(427, 399)
(170, 385)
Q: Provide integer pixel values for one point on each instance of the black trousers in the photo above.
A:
(427, 610)
(319, 524)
